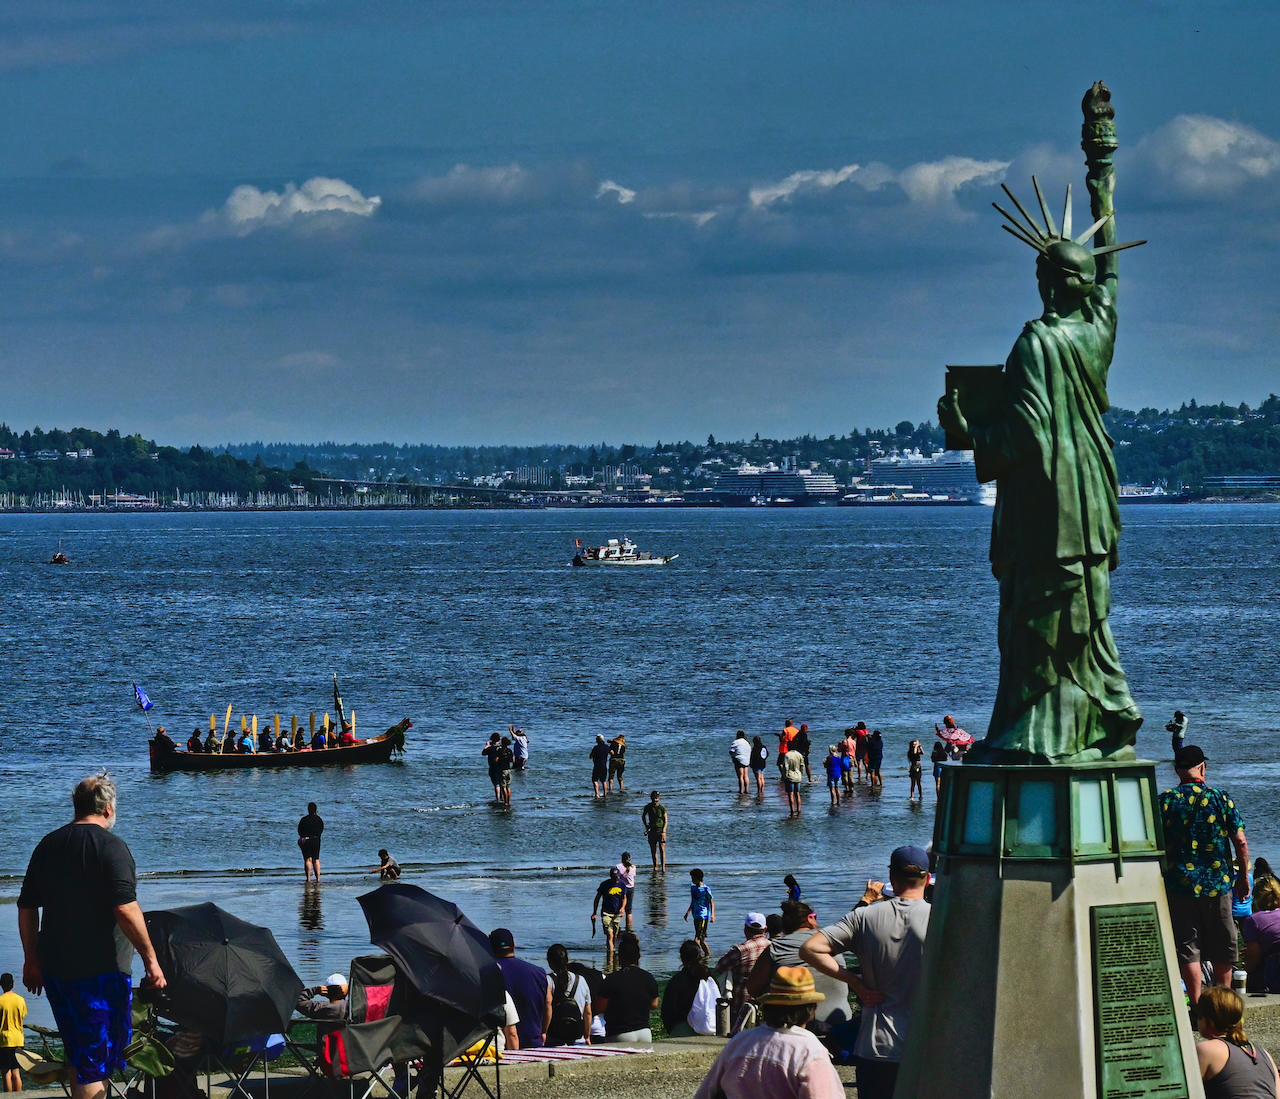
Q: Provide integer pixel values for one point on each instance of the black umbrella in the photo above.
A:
(226, 978)
(445, 956)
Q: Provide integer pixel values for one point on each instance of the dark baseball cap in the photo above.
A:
(1188, 756)
(906, 860)
(501, 939)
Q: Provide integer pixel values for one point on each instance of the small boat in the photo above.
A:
(615, 552)
(59, 558)
(1130, 494)
(379, 749)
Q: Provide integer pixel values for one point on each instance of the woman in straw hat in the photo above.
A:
(781, 1059)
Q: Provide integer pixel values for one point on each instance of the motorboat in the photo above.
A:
(617, 552)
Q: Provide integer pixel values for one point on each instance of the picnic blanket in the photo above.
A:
(566, 1053)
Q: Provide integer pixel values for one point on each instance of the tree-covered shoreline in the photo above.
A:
(1172, 447)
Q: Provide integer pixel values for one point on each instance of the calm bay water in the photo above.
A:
(468, 621)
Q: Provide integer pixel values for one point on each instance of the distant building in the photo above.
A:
(749, 485)
(1243, 482)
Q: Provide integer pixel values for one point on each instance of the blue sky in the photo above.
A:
(551, 221)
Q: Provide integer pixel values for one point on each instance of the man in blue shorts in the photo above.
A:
(85, 881)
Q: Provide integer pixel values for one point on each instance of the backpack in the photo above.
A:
(505, 758)
(702, 1015)
(566, 1015)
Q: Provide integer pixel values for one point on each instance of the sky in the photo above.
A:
(555, 221)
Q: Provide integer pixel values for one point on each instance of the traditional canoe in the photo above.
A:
(378, 750)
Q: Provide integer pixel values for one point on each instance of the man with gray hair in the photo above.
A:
(85, 881)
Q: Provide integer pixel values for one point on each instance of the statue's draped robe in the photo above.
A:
(1054, 542)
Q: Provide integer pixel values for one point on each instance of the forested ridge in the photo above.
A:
(1173, 447)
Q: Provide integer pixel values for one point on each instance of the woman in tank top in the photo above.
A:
(1231, 1066)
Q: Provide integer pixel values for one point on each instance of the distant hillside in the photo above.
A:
(1195, 442)
(1173, 447)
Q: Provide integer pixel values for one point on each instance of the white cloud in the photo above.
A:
(930, 183)
(247, 208)
(937, 181)
(1201, 155)
(698, 218)
(625, 194)
(465, 184)
(807, 180)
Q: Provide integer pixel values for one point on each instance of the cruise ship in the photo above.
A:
(910, 478)
(769, 486)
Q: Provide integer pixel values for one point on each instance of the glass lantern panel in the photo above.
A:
(1037, 814)
(977, 814)
(1090, 819)
(1133, 817)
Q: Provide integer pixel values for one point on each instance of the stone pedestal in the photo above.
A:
(1049, 968)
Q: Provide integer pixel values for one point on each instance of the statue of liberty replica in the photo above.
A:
(1056, 530)
(1049, 932)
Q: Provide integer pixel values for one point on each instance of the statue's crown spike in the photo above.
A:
(1030, 232)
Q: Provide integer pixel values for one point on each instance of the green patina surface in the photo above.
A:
(1037, 429)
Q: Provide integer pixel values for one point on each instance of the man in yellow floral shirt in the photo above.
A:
(1201, 826)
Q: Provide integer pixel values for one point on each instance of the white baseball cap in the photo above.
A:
(336, 979)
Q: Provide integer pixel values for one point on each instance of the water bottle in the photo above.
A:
(723, 1020)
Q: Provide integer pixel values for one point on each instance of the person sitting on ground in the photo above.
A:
(629, 995)
(388, 869)
(529, 986)
(1230, 1065)
(326, 1003)
(1261, 933)
(799, 922)
(739, 960)
(678, 997)
(570, 1001)
(194, 744)
(781, 1059)
(266, 742)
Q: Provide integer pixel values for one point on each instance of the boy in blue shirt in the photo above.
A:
(703, 907)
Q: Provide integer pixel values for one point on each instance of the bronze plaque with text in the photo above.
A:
(1139, 1055)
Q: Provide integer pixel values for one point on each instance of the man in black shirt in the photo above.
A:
(85, 881)
(629, 995)
(309, 829)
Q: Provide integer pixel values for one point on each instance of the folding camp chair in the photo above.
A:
(472, 1062)
(51, 1067)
